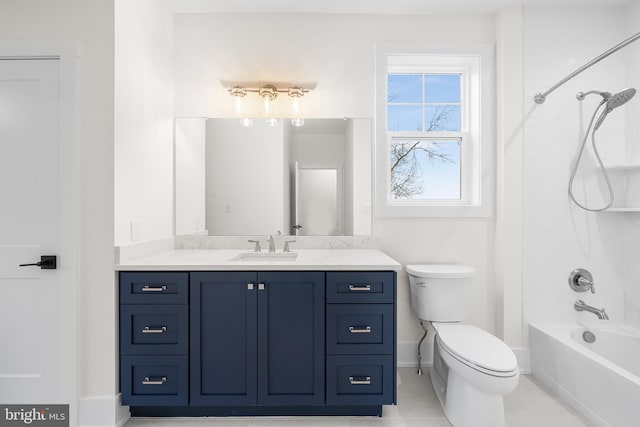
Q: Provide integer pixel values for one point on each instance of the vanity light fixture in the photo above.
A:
(296, 94)
(239, 105)
(268, 94)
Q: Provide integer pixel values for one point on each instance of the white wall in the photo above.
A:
(509, 160)
(143, 118)
(216, 51)
(244, 178)
(190, 167)
(90, 24)
(559, 237)
(357, 177)
(349, 178)
(632, 220)
(318, 148)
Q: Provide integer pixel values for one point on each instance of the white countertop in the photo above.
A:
(220, 260)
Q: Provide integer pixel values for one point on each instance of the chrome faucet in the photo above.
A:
(582, 306)
(272, 244)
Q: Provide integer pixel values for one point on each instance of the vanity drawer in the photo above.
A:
(360, 287)
(360, 380)
(360, 329)
(149, 329)
(154, 288)
(154, 380)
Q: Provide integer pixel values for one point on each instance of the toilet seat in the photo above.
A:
(477, 349)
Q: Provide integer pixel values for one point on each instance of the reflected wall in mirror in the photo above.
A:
(257, 180)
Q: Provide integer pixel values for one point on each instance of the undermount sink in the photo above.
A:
(265, 256)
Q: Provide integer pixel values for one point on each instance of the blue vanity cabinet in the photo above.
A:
(257, 338)
(223, 338)
(154, 338)
(361, 338)
(224, 343)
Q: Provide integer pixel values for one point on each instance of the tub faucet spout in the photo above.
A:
(582, 306)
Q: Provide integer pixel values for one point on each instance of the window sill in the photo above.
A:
(452, 211)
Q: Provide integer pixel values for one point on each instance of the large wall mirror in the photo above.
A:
(257, 180)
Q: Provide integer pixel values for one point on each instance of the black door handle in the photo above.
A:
(47, 262)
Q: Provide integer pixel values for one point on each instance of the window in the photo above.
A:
(430, 148)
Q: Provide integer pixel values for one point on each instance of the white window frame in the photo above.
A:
(476, 63)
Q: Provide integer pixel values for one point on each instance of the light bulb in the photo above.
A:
(238, 94)
(268, 94)
(295, 106)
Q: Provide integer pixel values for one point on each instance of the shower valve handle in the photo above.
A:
(587, 284)
(580, 280)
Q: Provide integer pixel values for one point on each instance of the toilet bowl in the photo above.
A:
(472, 369)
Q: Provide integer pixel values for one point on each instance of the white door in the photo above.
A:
(317, 202)
(30, 297)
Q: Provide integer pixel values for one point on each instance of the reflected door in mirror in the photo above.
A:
(317, 209)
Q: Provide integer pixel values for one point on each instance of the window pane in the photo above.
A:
(425, 169)
(442, 118)
(442, 88)
(404, 88)
(404, 117)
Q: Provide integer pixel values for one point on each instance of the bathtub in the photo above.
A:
(601, 380)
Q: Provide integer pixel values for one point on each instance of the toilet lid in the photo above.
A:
(477, 347)
(440, 271)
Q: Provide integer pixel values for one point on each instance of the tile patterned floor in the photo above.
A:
(530, 405)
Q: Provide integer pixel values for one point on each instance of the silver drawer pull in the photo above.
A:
(360, 380)
(365, 288)
(147, 288)
(360, 329)
(154, 330)
(154, 381)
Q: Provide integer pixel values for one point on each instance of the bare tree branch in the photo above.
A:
(405, 162)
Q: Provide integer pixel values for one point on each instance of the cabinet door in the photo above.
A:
(291, 338)
(223, 338)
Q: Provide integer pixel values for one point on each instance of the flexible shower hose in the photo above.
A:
(604, 169)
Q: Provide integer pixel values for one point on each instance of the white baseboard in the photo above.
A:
(408, 354)
(102, 412)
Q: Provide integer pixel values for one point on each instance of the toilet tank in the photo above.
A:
(440, 292)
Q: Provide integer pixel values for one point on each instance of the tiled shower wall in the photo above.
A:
(558, 237)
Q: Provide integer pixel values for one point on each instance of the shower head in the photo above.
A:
(613, 102)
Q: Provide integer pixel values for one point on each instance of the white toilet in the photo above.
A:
(472, 369)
